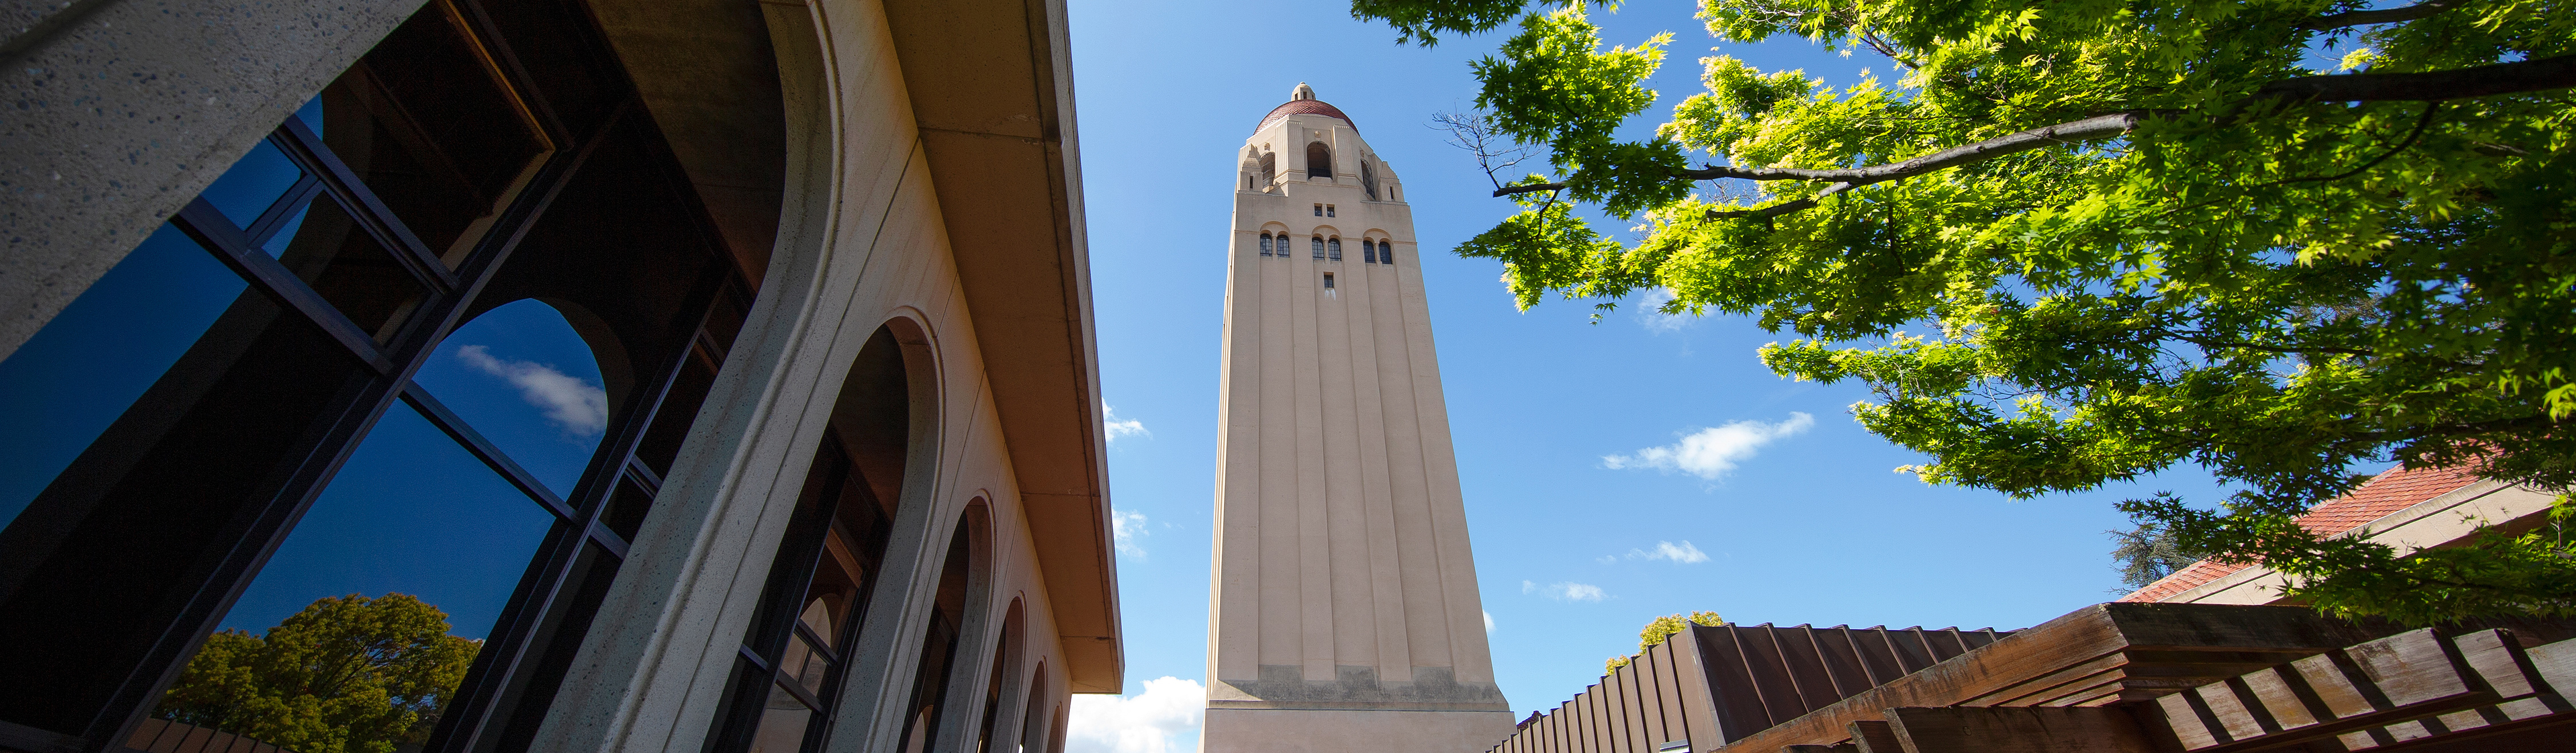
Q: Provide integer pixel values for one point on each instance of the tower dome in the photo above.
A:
(1303, 102)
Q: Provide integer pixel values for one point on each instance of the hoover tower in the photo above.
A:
(1343, 610)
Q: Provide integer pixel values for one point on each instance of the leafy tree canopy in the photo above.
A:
(346, 675)
(2072, 243)
(1659, 629)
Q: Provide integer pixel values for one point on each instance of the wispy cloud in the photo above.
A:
(576, 405)
(1489, 622)
(1650, 312)
(1711, 453)
(1567, 591)
(1117, 428)
(1679, 554)
(1143, 723)
(1127, 531)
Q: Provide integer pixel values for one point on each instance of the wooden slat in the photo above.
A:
(2378, 684)
(2037, 729)
(2021, 665)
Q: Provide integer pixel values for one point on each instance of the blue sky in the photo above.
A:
(1812, 526)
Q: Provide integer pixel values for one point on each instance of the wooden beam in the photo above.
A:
(2027, 729)
(1875, 736)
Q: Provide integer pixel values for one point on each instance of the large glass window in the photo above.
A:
(266, 419)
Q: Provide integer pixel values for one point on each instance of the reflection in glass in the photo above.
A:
(245, 192)
(525, 380)
(410, 512)
(344, 263)
(429, 123)
(63, 387)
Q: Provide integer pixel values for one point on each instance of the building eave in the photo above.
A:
(992, 92)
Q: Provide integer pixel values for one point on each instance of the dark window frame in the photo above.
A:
(546, 617)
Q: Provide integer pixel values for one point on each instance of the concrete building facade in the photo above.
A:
(848, 489)
(1344, 614)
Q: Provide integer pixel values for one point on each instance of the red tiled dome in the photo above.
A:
(1303, 107)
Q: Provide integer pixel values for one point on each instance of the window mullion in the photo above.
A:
(483, 449)
(201, 220)
(303, 145)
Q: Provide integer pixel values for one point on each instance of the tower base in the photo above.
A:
(1241, 730)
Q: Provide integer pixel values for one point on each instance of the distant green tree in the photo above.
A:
(2073, 243)
(1659, 629)
(2147, 554)
(346, 675)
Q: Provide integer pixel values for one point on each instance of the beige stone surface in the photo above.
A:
(1342, 574)
(1355, 731)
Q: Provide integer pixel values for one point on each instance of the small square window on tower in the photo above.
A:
(1328, 280)
(1319, 210)
(1328, 210)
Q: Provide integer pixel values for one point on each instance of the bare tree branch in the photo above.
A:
(2368, 17)
(1472, 133)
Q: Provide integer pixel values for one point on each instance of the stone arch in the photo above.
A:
(1319, 160)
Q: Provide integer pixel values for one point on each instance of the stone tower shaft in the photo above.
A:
(1344, 612)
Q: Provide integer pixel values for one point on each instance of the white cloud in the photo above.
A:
(1116, 428)
(1567, 591)
(576, 405)
(1650, 312)
(1142, 723)
(1127, 532)
(1711, 453)
(1489, 622)
(1682, 554)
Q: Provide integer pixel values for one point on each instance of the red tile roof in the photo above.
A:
(1303, 107)
(2389, 492)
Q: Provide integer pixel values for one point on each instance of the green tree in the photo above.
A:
(1659, 629)
(2072, 243)
(345, 675)
(2147, 554)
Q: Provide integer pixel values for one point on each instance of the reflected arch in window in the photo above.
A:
(524, 376)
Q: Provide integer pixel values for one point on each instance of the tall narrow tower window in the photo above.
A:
(1319, 246)
(1269, 169)
(1368, 253)
(1368, 177)
(1335, 245)
(1265, 244)
(1385, 252)
(1319, 160)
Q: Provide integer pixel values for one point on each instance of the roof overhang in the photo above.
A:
(992, 92)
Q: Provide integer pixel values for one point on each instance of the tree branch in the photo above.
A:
(2433, 86)
(2486, 80)
(2368, 17)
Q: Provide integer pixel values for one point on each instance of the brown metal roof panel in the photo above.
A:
(1833, 646)
(1735, 703)
(1808, 675)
